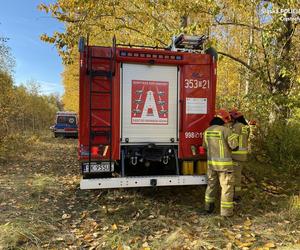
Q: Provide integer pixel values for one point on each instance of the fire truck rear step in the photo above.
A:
(143, 181)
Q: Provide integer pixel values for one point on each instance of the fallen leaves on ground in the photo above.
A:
(41, 206)
(66, 216)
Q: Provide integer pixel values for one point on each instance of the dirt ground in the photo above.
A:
(41, 206)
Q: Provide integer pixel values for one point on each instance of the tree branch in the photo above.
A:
(154, 17)
(267, 60)
(238, 60)
(144, 34)
(239, 24)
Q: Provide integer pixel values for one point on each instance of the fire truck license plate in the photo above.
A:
(101, 167)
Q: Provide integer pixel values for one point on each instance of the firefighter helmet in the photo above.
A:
(223, 114)
(234, 113)
(252, 122)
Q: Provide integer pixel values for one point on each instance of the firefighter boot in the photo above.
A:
(209, 209)
(237, 198)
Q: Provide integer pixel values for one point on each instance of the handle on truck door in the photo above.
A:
(181, 115)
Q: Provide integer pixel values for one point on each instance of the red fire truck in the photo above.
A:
(143, 111)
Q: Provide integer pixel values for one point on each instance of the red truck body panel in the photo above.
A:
(196, 85)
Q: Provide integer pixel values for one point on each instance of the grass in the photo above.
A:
(42, 184)
(41, 206)
(20, 234)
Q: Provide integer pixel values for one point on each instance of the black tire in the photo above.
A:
(55, 135)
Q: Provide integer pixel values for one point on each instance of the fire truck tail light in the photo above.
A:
(94, 151)
(201, 150)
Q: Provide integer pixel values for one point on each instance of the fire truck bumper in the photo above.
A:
(145, 181)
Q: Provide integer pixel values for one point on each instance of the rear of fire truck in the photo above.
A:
(143, 111)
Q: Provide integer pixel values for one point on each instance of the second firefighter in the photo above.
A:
(219, 141)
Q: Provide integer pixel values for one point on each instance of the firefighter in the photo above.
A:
(240, 127)
(219, 141)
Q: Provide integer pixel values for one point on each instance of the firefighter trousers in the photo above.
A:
(237, 178)
(226, 180)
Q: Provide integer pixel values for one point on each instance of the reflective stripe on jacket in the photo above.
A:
(219, 141)
(243, 132)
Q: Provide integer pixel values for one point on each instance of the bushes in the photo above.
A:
(275, 142)
(14, 144)
(282, 145)
(22, 110)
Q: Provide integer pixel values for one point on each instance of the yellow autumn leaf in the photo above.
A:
(66, 216)
(247, 223)
(270, 245)
(88, 237)
(238, 236)
(251, 239)
(229, 246)
(146, 245)
(84, 214)
(243, 244)
(246, 244)
(231, 237)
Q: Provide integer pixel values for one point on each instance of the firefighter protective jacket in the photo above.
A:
(243, 132)
(219, 142)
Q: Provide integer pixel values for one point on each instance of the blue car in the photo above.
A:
(66, 124)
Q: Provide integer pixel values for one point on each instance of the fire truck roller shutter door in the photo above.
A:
(149, 102)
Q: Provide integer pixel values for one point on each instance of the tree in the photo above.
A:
(7, 61)
(6, 99)
(256, 48)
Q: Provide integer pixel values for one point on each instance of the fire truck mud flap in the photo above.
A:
(145, 181)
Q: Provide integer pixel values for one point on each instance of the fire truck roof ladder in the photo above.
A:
(107, 129)
(187, 43)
